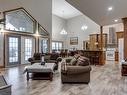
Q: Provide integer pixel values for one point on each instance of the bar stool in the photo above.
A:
(96, 60)
(92, 60)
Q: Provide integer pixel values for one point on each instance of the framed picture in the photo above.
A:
(73, 40)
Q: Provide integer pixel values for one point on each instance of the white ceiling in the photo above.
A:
(97, 10)
(63, 9)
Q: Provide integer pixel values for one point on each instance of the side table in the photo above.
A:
(124, 69)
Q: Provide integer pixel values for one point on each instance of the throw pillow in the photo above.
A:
(73, 61)
(83, 61)
(76, 56)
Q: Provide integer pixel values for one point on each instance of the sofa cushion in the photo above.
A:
(37, 56)
(83, 61)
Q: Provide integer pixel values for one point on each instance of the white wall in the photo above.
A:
(118, 27)
(57, 25)
(74, 30)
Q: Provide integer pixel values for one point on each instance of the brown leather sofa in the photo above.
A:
(49, 58)
(75, 74)
(35, 59)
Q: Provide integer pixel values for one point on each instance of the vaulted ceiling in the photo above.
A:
(97, 10)
(63, 9)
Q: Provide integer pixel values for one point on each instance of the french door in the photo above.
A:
(28, 49)
(19, 49)
(13, 50)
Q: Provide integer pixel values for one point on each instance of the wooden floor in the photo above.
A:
(105, 80)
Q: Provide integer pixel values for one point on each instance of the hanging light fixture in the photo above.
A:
(63, 31)
(84, 26)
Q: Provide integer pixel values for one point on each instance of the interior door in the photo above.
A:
(13, 50)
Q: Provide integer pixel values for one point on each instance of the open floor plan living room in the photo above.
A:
(63, 47)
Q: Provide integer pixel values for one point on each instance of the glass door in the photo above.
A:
(28, 49)
(14, 49)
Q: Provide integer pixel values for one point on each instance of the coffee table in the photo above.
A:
(40, 70)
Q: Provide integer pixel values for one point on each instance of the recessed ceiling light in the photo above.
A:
(116, 20)
(110, 8)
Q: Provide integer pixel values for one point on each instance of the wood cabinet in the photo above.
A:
(95, 41)
(116, 56)
(119, 35)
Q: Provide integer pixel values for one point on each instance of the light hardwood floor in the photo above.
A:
(105, 80)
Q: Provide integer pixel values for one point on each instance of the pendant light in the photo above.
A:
(63, 31)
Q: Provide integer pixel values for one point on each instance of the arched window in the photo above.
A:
(19, 20)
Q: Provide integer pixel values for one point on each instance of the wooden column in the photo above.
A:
(102, 60)
(125, 36)
(101, 37)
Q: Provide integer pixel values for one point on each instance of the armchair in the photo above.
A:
(5, 89)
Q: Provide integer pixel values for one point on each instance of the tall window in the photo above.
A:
(57, 45)
(44, 45)
(19, 20)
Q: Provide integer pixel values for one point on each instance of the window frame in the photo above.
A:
(58, 45)
(43, 29)
(32, 19)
